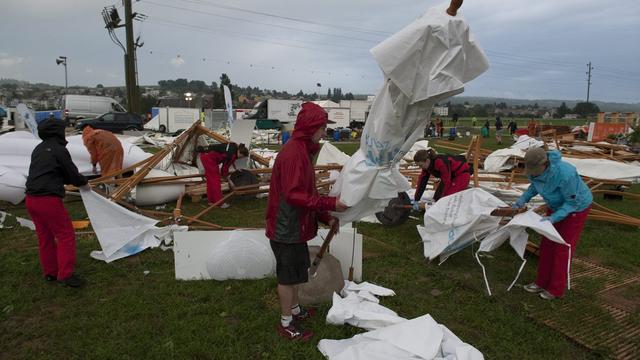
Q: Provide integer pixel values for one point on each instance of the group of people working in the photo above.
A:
(295, 207)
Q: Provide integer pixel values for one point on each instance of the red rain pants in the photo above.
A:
(554, 257)
(56, 237)
(211, 163)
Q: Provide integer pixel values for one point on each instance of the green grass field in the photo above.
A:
(125, 314)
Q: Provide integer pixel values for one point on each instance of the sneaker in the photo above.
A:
(50, 278)
(304, 314)
(533, 288)
(224, 206)
(546, 295)
(72, 281)
(294, 332)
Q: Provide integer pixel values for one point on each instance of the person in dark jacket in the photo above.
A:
(293, 211)
(453, 172)
(498, 130)
(50, 169)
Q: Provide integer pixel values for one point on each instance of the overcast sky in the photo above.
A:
(537, 49)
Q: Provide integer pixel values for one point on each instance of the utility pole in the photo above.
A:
(133, 97)
(589, 68)
(112, 21)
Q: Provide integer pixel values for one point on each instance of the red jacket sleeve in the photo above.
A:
(423, 180)
(445, 178)
(296, 193)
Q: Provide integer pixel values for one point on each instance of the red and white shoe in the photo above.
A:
(305, 313)
(294, 332)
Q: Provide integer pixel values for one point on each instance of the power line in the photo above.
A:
(260, 23)
(217, 31)
(298, 20)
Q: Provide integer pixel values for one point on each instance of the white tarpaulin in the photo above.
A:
(419, 338)
(330, 154)
(358, 306)
(426, 62)
(12, 185)
(516, 232)
(525, 142)
(121, 232)
(455, 221)
(497, 160)
(605, 169)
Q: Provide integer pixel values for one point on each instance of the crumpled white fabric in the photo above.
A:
(21, 221)
(329, 154)
(419, 338)
(497, 160)
(455, 221)
(360, 307)
(605, 169)
(12, 185)
(121, 232)
(428, 61)
(526, 142)
(515, 231)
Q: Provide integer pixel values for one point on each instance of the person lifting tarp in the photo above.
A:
(453, 171)
(216, 160)
(105, 150)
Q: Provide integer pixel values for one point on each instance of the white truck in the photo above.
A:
(75, 107)
(170, 120)
(285, 111)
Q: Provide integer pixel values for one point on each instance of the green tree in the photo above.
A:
(586, 108)
(563, 110)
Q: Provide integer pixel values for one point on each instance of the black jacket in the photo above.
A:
(51, 166)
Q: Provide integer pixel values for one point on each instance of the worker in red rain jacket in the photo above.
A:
(453, 171)
(293, 211)
(212, 157)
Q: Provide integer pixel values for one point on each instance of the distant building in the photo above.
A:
(571, 116)
(441, 110)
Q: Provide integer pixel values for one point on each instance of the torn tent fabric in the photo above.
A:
(516, 231)
(428, 61)
(419, 338)
(456, 221)
(358, 306)
(122, 232)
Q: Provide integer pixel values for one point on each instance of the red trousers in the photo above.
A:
(56, 237)
(554, 258)
(459, 183)
(211, 163)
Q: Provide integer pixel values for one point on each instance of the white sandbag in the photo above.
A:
(426, 62)
(12, 185)
(242, 255)
(417, 146)
(456, 220)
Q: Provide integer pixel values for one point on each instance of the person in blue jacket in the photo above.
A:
(568, 201)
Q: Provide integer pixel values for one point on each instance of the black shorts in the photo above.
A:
(292, 262)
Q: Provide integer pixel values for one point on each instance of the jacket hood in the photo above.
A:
(51, 128)
(310, 118)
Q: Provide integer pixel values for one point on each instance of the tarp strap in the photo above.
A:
(524, 261)
(569, 269)
(484, 272)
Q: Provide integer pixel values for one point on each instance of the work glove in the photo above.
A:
(416, 205)
(545, 218)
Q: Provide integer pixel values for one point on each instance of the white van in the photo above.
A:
(170, 120)
(76, 107)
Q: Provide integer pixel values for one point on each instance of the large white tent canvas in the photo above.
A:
(426, 62)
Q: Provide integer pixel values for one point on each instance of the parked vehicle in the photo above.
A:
(172, 119)
(285, 111)
(75, 107)
(113, 121)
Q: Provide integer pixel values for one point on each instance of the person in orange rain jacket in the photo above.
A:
(105, 149)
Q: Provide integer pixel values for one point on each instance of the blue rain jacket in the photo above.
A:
(560, 186)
